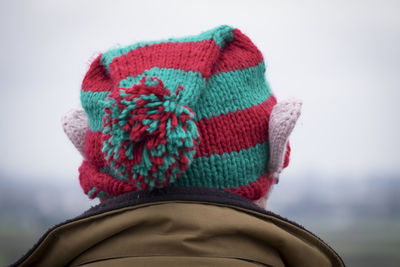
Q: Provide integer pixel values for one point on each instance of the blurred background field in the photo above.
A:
(340, 57)
(361, 221)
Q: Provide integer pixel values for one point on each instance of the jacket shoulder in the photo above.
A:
(207, 228)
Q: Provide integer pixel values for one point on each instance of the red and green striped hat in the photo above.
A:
(187, 112)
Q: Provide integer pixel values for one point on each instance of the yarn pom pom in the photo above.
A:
(148, 137)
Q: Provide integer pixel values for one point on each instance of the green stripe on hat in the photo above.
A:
(229, 170)
(191, 81)
(233, 90)
(227, 92)
(92, 102)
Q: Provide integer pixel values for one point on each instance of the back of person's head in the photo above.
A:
(191, 112)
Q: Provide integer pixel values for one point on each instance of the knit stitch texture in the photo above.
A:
(190, 111)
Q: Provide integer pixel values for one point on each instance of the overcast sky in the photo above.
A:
(340, 57)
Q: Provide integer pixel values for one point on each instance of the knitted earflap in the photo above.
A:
(283, 118)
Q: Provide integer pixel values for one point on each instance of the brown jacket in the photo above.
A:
(179, 227)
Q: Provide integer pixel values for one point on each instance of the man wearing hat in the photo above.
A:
(182, 141)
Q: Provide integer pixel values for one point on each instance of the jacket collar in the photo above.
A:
(184, 195)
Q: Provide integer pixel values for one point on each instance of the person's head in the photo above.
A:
(194, 111)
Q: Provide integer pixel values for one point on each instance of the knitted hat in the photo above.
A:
(191, 111)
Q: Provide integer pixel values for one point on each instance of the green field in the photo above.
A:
(364, 243)
(15, 240)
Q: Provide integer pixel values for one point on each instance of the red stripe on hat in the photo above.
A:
(188, 56)
(239, 54)
(204, 57)
(254, 190)
(90, 177)
(223, 134)
(235, 131)
(96, 79)
(93, 147)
